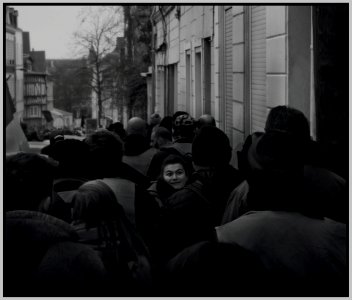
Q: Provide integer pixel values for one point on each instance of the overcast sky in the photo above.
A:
(50, 28)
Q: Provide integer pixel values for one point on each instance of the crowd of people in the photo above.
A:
(157, 209)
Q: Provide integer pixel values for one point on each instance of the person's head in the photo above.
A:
(274, 172)
(290, 120)
(105, 153)
(135, 144)
(211, 148)
(93, 203)
(160, 137)
(205, 120)
(183, 126)
(174, 171)
(136, 125)
(155, 119)
(72, 156)
(28, 181)
(117, 127)
(167, 122)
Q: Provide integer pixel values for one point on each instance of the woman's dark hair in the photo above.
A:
(174, 159)
(94, 203)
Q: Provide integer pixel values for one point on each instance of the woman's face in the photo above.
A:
(175, 175)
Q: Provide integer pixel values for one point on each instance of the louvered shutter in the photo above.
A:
(258, 68)
(228, 73)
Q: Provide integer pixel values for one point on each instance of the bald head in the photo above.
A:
(136, 125)
(206, 120)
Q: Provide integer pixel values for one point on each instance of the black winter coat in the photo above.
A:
(42, 258)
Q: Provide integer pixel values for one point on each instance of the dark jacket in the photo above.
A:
(191, 213)
(160, 191)
(42, 258)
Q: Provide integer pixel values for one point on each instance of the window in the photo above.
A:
(34, 111)
(207, 77)
(258, 67)
(188, 80)
(171, 89)
(198, 82)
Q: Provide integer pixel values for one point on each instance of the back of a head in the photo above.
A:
(211, 148)
(178, 113)
(162, 132)
(289, 120)
(275, 168)
(117, 127)
(167, 122)
(155, 119)
(28, 181)
(72, 156)
(206, 120)
(183, 126)
(135, 144)
(94, 202)
(136, 125)
(105, 153)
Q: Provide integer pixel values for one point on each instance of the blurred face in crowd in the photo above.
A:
(175, 175)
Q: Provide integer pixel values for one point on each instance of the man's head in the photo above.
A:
(117, 127)
(155, 119)
(136, 125)
(205, 120)
(183, 126)
(288, 120)
(160, 137)
(28, 181)
(105, 153)
(72, 156)
(211, 148)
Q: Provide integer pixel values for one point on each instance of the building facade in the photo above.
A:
(237, 62)
(35, 88)
(14, 61)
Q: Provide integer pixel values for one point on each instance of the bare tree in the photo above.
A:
(99, 28)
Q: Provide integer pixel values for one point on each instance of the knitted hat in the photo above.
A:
(184, 121)
(211, 147)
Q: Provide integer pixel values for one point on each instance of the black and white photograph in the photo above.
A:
(219, 132)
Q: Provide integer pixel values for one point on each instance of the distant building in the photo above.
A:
(35, 87)
(14, 61)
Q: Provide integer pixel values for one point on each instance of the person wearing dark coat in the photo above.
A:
(106, 151)
(183, 134)
(42, 256)
(191, 213)
(104, 223)
(212, 269)
(323, 191)
(173, 177)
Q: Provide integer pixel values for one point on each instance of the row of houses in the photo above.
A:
(29, 83)
(237, 62)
